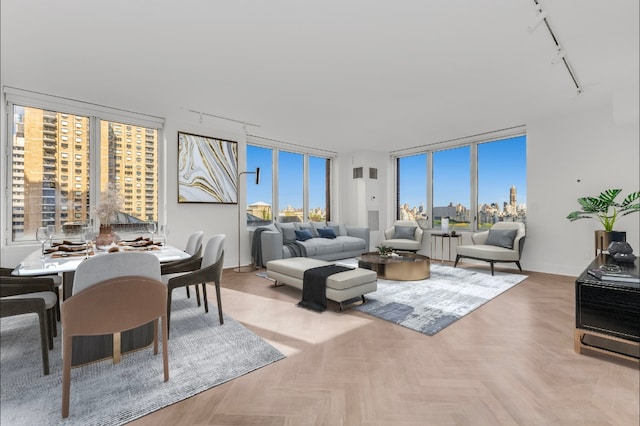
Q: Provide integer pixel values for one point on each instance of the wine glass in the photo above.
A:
(164, 230)
(51, 229)
(42, 235)
(152, 227)
(87, 236)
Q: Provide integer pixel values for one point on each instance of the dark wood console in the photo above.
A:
(608, 313)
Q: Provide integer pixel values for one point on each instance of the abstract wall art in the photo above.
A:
(207, 169)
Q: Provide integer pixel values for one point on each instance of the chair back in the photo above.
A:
(194, 243)
(111, 265)
(213, 251)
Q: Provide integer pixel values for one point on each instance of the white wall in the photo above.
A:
(570, 157)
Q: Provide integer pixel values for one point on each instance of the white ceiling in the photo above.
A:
(340, 74)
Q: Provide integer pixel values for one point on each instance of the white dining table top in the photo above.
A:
(34, 264)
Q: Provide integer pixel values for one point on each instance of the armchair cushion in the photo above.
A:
(404, 232)
(501, 237)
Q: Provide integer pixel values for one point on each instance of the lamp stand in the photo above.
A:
(251, 267)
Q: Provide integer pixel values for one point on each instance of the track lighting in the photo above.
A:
(539, 20)
(559, 56)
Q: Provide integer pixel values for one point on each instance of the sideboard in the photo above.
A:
(608, 313)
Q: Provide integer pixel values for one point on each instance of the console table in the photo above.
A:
(608, 313)
(443, 236)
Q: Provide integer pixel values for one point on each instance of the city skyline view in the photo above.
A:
(501, 166)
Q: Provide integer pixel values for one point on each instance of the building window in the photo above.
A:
(37, 132)
(412, 187)
(451, 188)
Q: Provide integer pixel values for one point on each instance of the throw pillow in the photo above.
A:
(342, 229)
(405, 232)
(327, 233)
(501, 237)
(307, 226)
(303, 235)
(288, 232)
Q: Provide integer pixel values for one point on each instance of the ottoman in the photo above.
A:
(341, 287)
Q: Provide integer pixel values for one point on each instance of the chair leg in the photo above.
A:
(66, 375)
(456, 262)
(49, 314)
(204, 297)
(491, 267)
(168, 310)
(219, 303)
(46, 342)
(188, 292)
(198, 294)
(519, 267)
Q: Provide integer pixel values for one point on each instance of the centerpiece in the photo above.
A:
(106, 211)
(384, 251)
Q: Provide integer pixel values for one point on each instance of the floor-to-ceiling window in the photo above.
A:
(62, 159)
(474, 184)
(301, 181)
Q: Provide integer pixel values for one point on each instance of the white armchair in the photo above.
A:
(404, 235)
(504, 242)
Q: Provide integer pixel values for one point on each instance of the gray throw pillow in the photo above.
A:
(501, 237)
(288, 232)
(405, 232)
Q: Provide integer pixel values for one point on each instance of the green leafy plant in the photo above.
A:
(605, 209)
(384, 250)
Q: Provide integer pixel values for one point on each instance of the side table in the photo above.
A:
(443, 236)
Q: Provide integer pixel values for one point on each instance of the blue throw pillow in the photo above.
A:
(303, 235)
(327, 233)
(501, 237)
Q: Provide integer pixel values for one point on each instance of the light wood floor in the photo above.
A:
(510, 362)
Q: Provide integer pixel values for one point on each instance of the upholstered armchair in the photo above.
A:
(504, 242)
(404, 235)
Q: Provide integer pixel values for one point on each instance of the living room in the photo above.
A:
(356, 97)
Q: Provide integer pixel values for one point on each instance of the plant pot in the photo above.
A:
(106, 237)
(604, 238)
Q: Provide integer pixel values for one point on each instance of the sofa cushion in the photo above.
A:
(324, 246)
(501, 237)
(404, 232)
(352, 243)
(307, 226)
(327, 233)
(303, 234)
(341, 229)
(288, 231)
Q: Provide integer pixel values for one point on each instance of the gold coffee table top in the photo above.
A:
(405, 267)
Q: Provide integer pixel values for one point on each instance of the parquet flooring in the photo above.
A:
(510, 362)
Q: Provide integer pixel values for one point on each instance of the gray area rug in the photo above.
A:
(202, 354)
(430, 305)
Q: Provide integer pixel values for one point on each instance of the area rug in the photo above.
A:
(428, 306)
(202, 354)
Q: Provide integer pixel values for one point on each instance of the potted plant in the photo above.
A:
(606, 210)
(106, 211)
(384, 251)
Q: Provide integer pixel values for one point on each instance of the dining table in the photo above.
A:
(64, 258)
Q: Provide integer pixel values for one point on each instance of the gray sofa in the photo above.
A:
(279, 241)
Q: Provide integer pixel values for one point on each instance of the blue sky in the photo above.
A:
(501, 164)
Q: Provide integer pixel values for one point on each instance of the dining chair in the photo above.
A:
(210, 271)
(112, 306)
(175, 268)
(57, 283)
(22, 295)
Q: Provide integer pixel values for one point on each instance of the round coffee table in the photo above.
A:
(405, 267)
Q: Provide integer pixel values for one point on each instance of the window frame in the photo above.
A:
(277, 147)
(473, 142)
(74, 108)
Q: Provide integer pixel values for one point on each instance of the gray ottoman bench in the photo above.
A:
(341, 287)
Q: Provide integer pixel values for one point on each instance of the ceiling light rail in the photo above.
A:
(561, 54)
(200, 113)
(303, 147)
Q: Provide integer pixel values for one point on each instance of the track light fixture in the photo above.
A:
(560, 52)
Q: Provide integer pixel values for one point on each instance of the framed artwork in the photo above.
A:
(207, 169)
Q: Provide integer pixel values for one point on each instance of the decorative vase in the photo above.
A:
(445, 225)
(106, 237)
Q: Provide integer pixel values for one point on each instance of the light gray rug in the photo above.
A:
(202, 354)
(430, 305)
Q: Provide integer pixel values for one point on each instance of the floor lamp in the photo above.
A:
(257, 173)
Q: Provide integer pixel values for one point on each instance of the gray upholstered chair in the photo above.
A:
(404, 235)
(210, 271)
(504, 242)
(178, 267)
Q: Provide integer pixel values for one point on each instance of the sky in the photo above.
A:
(501, 164)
